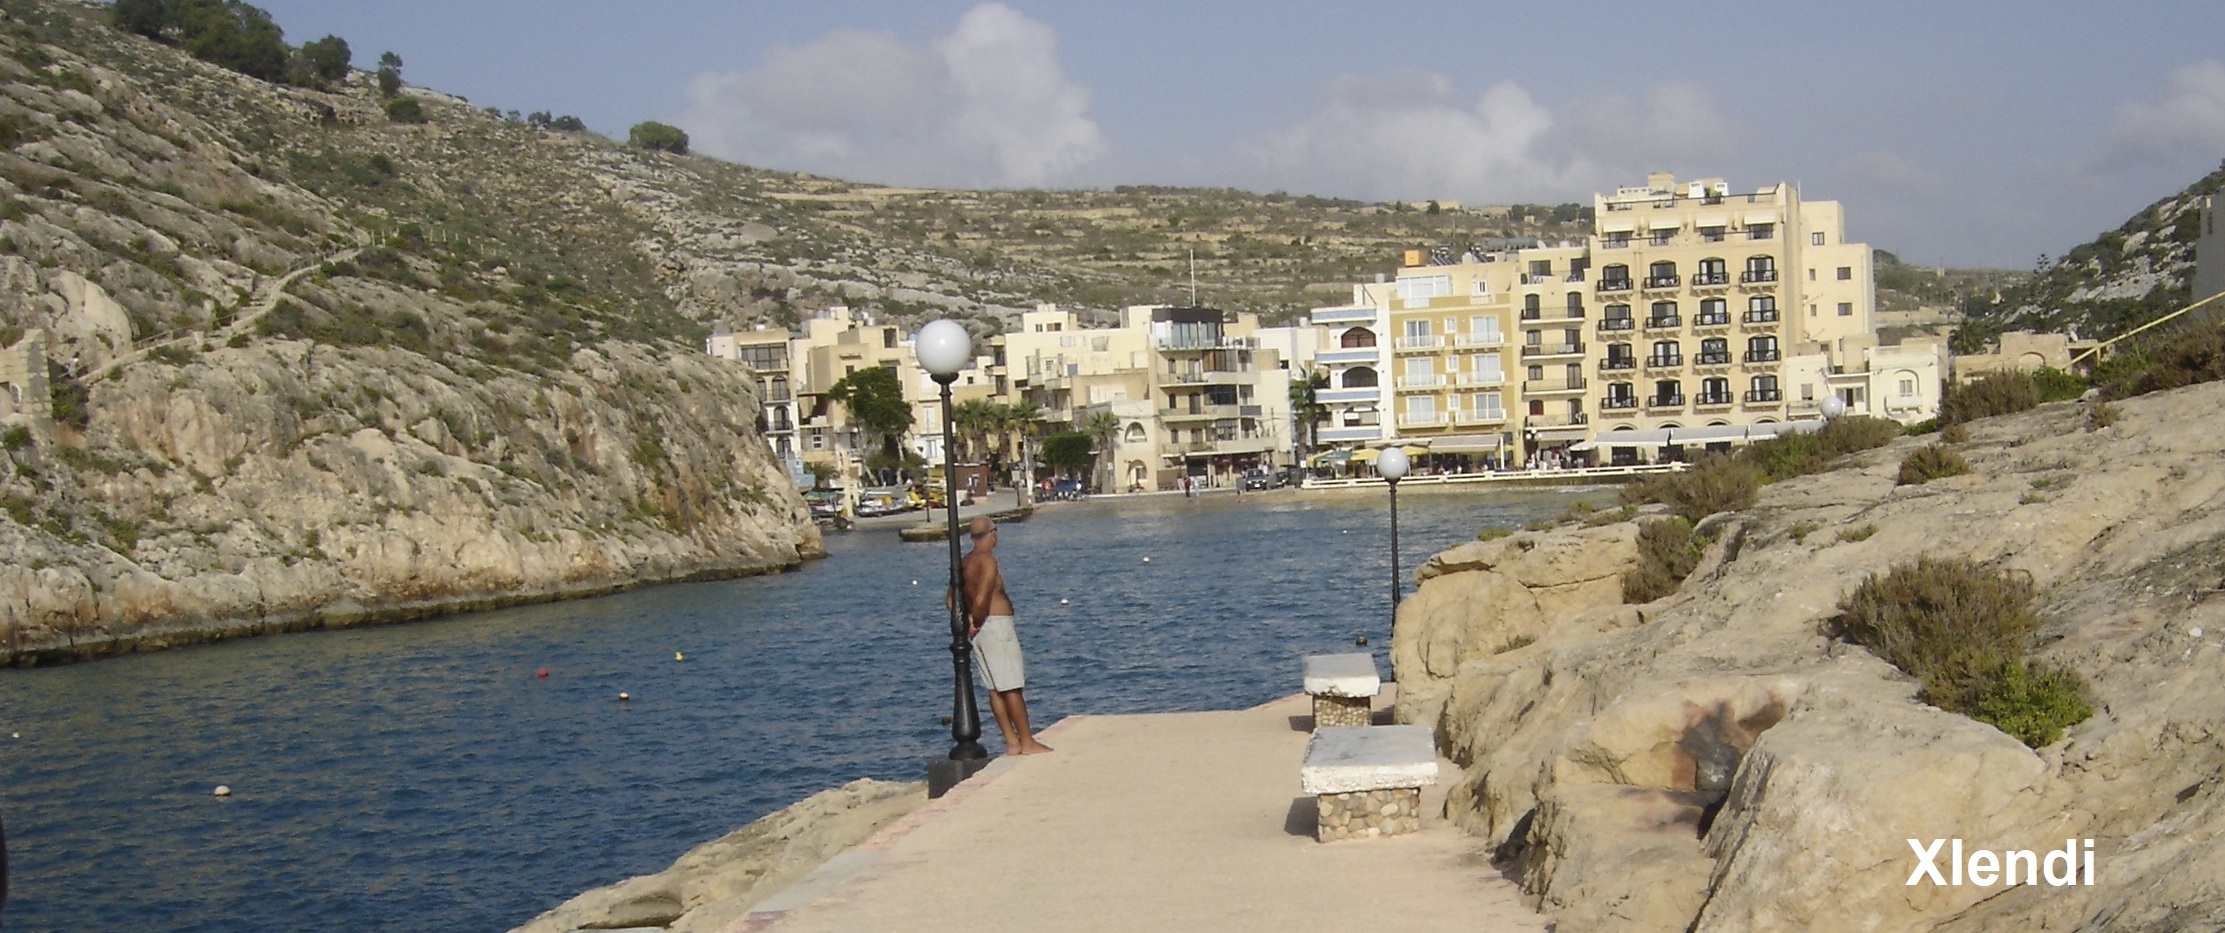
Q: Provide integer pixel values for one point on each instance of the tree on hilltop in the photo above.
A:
(390, 73)
(226, 33)
(649, 134)
(328, 58)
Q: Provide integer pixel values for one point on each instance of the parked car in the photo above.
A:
(1253, 481)
(1069, 490)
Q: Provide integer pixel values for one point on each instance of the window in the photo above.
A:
(1666, 353)
(1761, 231)
(1357, 338)
(1713, 311)
(1417, 328)
(1486, 404)
(1846, 309)
(1846, 273)
(1486, 365)
(1817, 239)
(1424, 287)
(1359, 377)
(1664, 315)
(1421, 371)
(1908, 388)
(1485, 327)
(1621, 395)
(1529, 307)
(1575, 304)
(1421, 408)
(1761, 349)
(1762, 389)
(1759, 269)
(1614, 276)
(1715, 391)
(1811, 275)
(1711, 272)
(1714, 351)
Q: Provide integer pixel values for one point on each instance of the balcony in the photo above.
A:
(1347, 396)
(1480, 415)
(1575, 276)
(1257, 443)
(1539, 278)
(1417, 344)
(1612, 324)
(1553, 349)
(1426, 383)
(1562, 313)
(1614, 285)
(1710, 279)
(1717, 400)
(1568, 384)
(1342, 315)
(1479, 380)
(1663, 281)
(1665, 401)
(1576, 420)
(1711, 234)
(1718, 319)
(1479, 341)
(1533, 314)
(1757, 276)
(1665, 322)
(1348, 355)
(1764, 396)
(1759, 317)
(1209, 412)
(1619, 403)
(1705, 358)
(1665, 361)
(1426, 419)
(1761, 356)
(1615, 363)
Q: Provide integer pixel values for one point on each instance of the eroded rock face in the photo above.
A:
(1713, 762)
(714, 884)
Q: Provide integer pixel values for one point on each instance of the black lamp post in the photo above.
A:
(944, 348)
(1392, 466)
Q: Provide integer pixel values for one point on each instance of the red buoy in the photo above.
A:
(540, 672)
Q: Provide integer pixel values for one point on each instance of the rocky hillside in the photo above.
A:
(2122, 279)
(1714, 760)
(302, 376)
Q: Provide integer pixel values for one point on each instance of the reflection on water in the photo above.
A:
(422, 777)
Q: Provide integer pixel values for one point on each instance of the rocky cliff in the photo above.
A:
(1715, 761)
(310, 366)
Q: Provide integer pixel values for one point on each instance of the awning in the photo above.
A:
(1466, 443)
(1759, 218)
(1365, 456)
(1620, 225)
(1700, 434)
(1329, 457)
(1714, 220)
(1570, 432)
(1664, 223)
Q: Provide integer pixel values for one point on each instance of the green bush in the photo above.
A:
(1962, 630)
(2002, 393)
(2055, 385)
(1667, 553)
(649, 134)
(1930, 462)
(16, 437)
(1718, 483)
(2183, 357)
(1493, 534)
(405, 110)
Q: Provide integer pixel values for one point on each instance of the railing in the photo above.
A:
(1754, 396)
(1479, 379)
(1711, 320)
(1614, 285)
(1752, 276)
(1418, 343)
(1665, 401)
(1664, 322)
(1539, 278)
(1480, 415)
(1532, 314)
(1490, 339)
(1664, 361)
(1763, 232)
(1724, 398)
(1210, 411)
(1703, 279)
(1617, 323)
(1580, 475)
(1615, 402)
(1578, 419)
(1759, 317)
(1552, 349)
(1576, 276)
(1430, 381)
(1428, 420)
(1574, 383)
(1712, 359)
(1711, 235)
(1761, 356)
(1614, 363)
(1662, 281)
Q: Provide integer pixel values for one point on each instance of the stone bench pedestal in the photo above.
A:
(1343, 687)
(1367, 780)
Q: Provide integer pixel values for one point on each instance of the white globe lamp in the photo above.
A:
(944, 348)
(1392, 465)
(1833, 406)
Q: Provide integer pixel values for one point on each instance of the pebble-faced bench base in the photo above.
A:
(1367, 780)
(1343, 687)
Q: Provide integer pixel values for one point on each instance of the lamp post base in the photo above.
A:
(946, 773)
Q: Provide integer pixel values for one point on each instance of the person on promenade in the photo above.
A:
(996, 645)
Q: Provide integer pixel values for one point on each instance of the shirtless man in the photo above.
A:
(996, 646)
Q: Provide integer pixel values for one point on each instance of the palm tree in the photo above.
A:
(1103, 428)
(1305, 405)
(1017, 422)
(972, 421)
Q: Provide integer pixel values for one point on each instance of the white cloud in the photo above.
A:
(987, 104)
(2189, 122)
(1411, 135)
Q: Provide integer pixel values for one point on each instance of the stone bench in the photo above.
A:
(1343, 687)
(1368, 780)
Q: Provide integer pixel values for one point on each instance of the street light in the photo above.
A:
(1392, 466)
(944, 348)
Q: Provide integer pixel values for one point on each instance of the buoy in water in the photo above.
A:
(223, 790)
(540, 672)
(1147, 560)
(677, 656)
(915, 582)
(624, 696)
(1062, 601)
(1359, 639)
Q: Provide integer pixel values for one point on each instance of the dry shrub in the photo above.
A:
(1718, 483)
(2186, 356)
(1962, 630)
(2001, 393)
(1667, 552)
(1931, 462)
(1955, 434)
(2102, 415)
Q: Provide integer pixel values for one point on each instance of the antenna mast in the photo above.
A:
(1193, 276)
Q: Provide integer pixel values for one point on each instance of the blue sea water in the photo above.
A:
(421, 777)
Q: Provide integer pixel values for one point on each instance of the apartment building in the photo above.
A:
(766, 353)
(1688, 313)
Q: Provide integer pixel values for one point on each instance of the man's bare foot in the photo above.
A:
(1031, 748)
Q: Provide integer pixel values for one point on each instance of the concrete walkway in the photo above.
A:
(1175, 821)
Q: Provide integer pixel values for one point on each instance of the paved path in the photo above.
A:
(1174, 821)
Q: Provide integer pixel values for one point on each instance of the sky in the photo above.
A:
(1955, 133)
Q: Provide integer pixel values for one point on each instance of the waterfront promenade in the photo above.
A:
(1164, 821)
